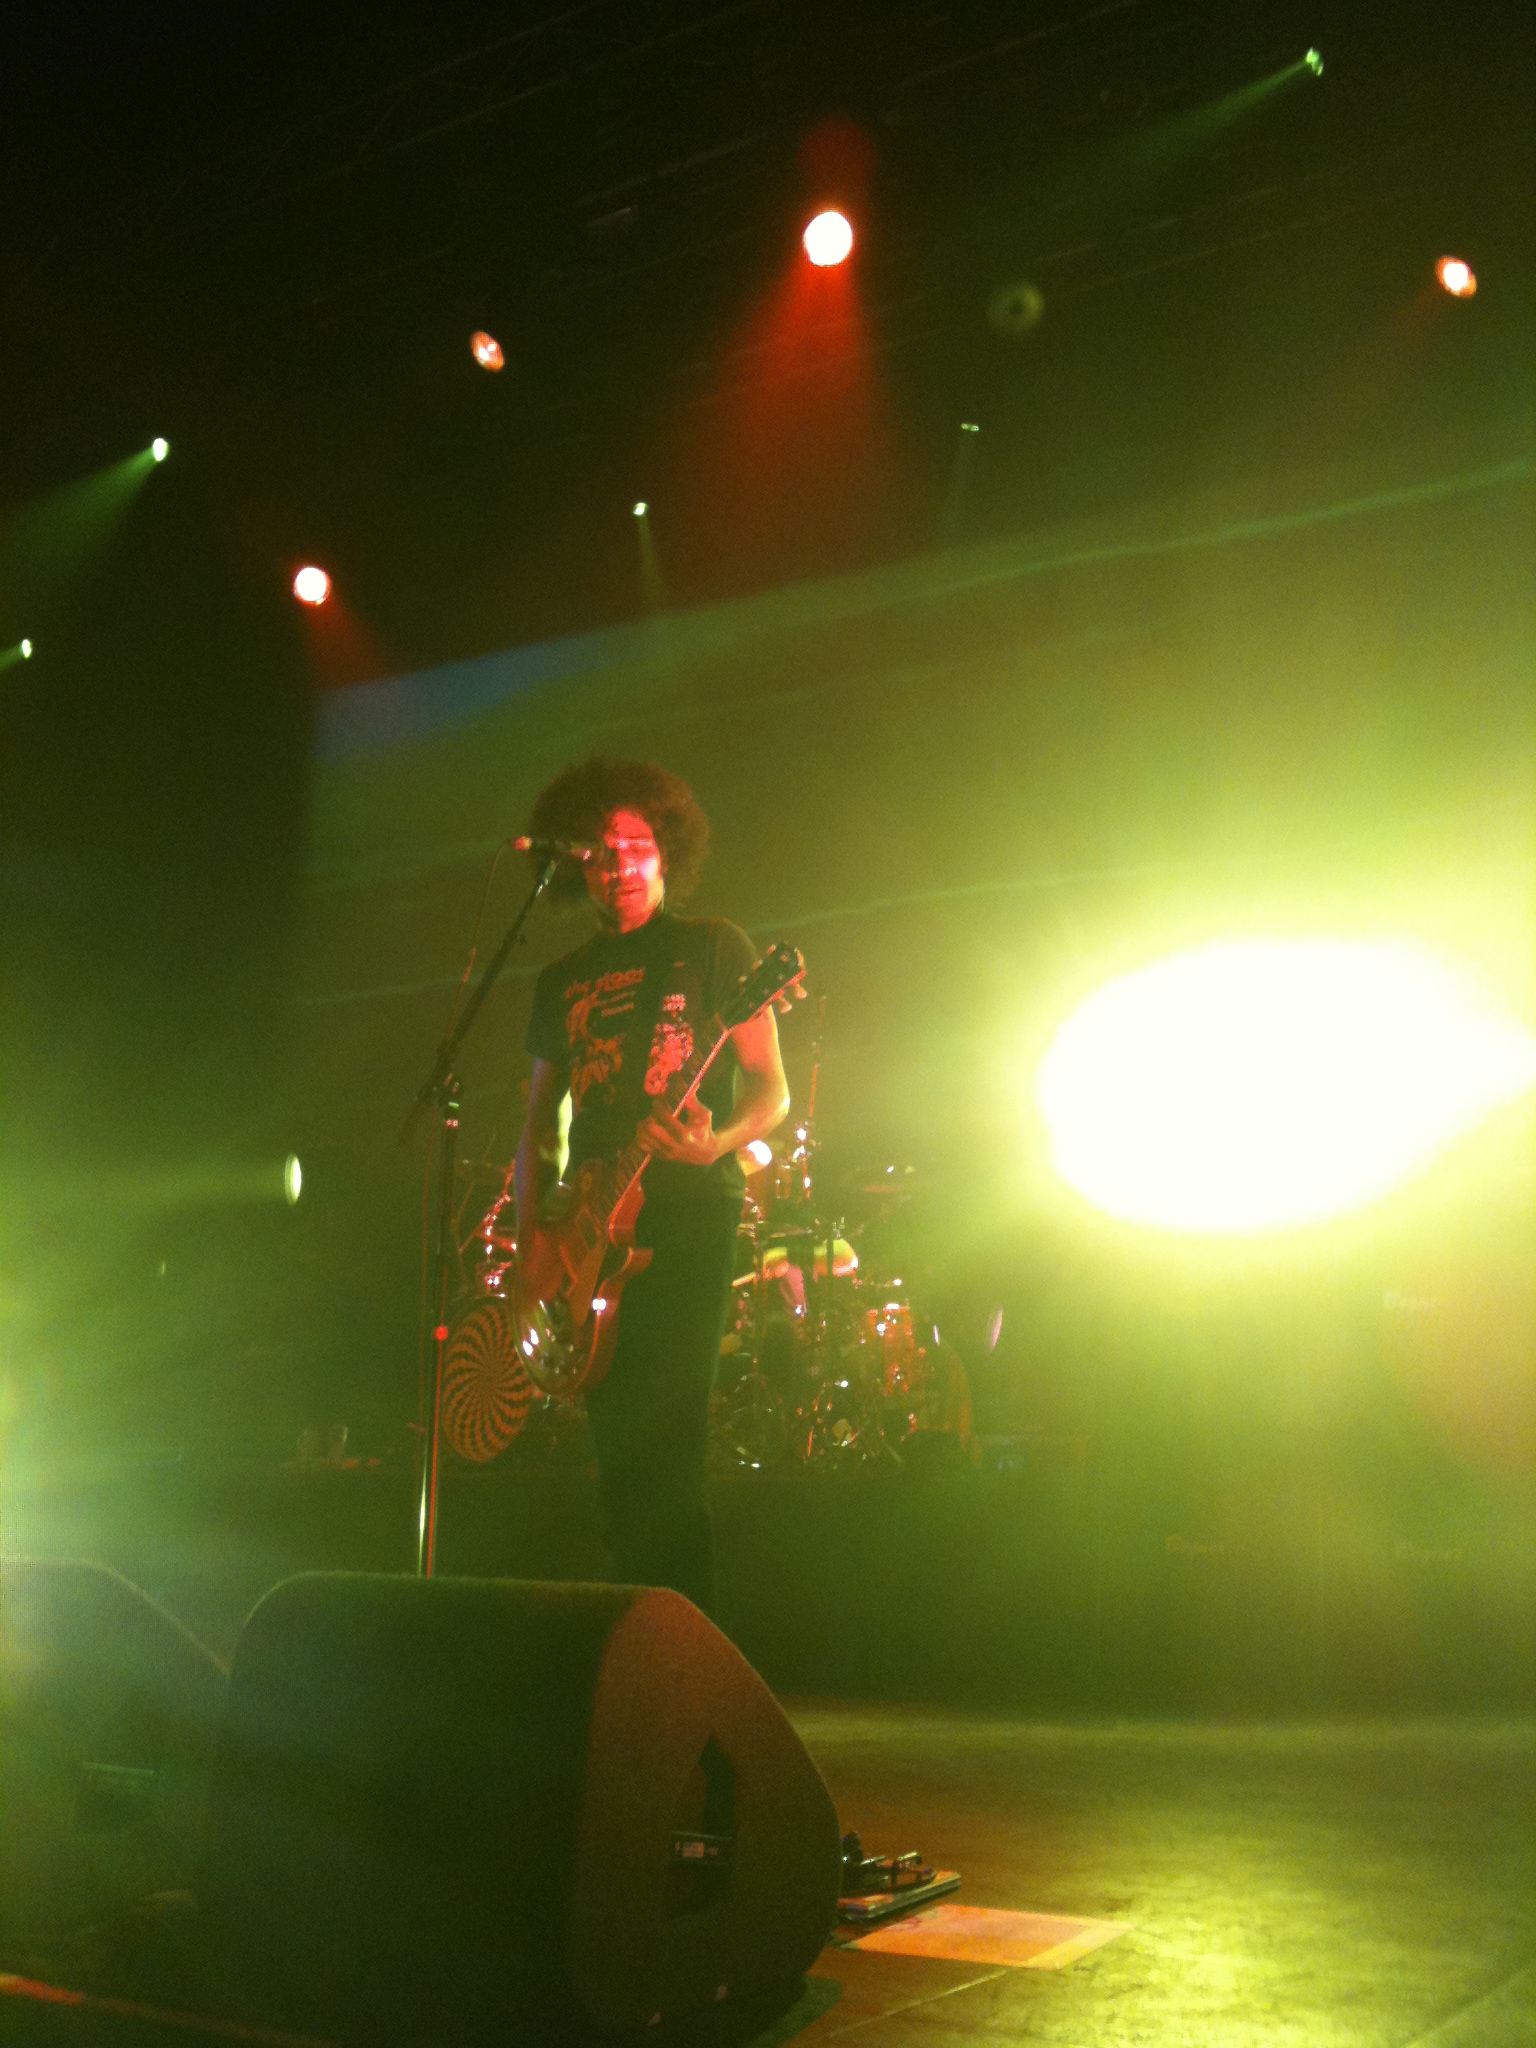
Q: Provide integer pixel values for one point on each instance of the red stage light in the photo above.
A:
(1456, 276)
(486, 350)
(311, 585)
(828, 239)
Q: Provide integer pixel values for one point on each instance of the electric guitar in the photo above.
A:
(565, 1337)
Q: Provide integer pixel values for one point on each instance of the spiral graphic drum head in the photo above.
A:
(486, 1390)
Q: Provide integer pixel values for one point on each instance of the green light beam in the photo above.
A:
(1130, 167)
(957, 491)
(51, 542)
(158, 1189)
(652, 583)
(1163, 147)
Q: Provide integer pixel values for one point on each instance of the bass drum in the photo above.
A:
(486, 1389)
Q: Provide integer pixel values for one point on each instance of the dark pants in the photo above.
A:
(650, 1416)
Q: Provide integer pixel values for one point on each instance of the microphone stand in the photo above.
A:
(441, 1091)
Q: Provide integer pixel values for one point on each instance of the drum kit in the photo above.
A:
(828, 1361)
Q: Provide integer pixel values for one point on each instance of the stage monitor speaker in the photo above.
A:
(465, 1809)
(108, 1716)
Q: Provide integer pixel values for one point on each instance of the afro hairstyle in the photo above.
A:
(579, 800)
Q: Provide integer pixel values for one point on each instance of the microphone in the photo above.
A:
(554, 849)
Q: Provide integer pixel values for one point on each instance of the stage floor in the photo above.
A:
(1371, 1884)
(1290, 1886)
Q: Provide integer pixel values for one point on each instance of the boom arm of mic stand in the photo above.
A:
(432, 1089)
(443, 1090)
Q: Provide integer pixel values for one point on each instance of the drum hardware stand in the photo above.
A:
(759, 1301)
(805, 1153)
(441, 1091)
(824, 1297)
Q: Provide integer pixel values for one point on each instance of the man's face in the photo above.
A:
(627, 880)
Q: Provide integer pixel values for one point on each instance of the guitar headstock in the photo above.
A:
(777, 978)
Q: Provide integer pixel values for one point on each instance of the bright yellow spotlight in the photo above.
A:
(1255, 1084)
(26, 650)
(828, 239)
(159, 448)
(293, 1179)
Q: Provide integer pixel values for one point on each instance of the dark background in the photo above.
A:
(1221, 622)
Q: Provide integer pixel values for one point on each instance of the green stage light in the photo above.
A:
(1314, 62)
(1252, 1085)
(205, 1184)
(159, 448)
(26, 650)
(640, 508)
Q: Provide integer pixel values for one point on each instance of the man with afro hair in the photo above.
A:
(612, 1022)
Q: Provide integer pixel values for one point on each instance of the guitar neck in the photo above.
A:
(681, 1089)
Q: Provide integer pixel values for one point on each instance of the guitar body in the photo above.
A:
(566, 1339)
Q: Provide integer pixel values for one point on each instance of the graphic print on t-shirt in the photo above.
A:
(592, 1010)
(597, 1015)
(671, 1044)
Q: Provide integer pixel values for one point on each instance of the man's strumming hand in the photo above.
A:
(687, 1137)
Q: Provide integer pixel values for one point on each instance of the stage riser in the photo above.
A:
(1056, 1588)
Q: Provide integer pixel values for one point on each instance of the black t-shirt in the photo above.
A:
(668, 978)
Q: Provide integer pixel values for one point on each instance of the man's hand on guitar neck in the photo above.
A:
(689, 1137)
